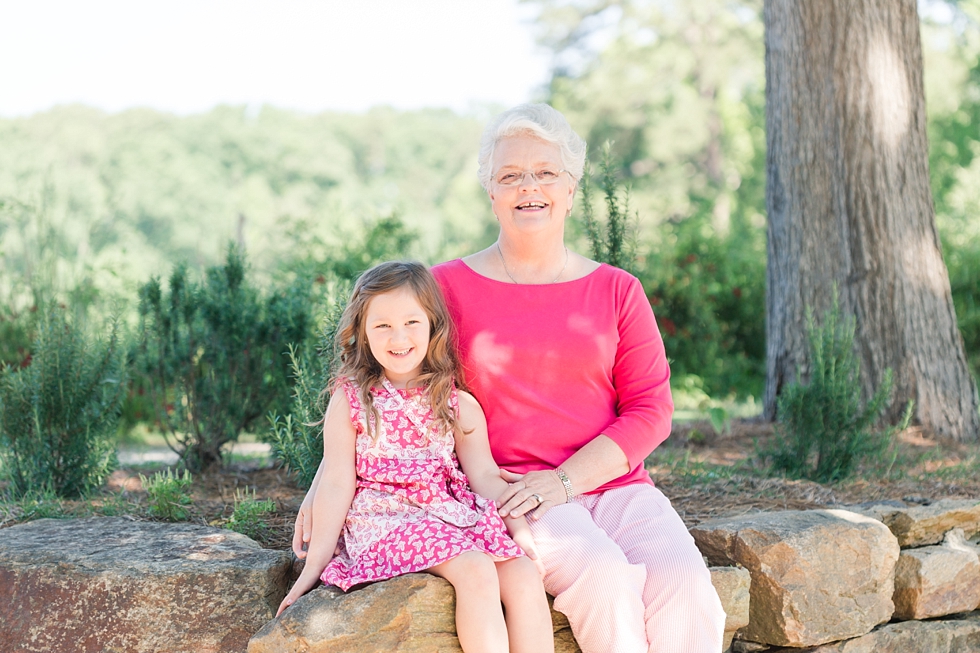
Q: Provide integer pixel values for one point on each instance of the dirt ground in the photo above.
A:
(704, 474)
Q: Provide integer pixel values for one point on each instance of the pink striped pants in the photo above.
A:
(624, 570)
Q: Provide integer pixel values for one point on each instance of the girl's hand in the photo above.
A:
(303, 584)
(526, 542)
(303, 528)
(524, 491)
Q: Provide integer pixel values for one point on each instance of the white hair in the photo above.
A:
(540, 121)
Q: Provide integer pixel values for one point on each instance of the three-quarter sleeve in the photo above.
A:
(641, 377)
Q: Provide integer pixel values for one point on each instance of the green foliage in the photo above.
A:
(213, 357)
(17, 331)
(38, 504)
(297, 439)
(615, 242)
(248, 517)
(324, 263)
(141, 189)
(708, 291)
(58, 413)
(168, 494)
(823, 430)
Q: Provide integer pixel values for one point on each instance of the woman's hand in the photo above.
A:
(534, 493)
(303, 529)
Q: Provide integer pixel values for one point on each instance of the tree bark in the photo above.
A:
(849, 205)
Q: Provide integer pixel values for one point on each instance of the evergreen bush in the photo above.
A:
(823, 431)
(59, 410)
(213, 355)
(296, 442)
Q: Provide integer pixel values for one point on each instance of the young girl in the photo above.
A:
(392, 492)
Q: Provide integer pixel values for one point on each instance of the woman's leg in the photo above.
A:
(594, 585)
(526, 610)
(683, 613)
(479, 619)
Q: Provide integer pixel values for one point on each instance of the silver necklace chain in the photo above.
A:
(504, 263)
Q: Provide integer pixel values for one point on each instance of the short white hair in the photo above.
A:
(540, 121)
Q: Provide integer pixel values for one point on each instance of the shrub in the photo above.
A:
(615, 241)
(168, 493)
(58, 413)
(296, 443)
(213, 355)
(705, 287)
(17, 331)
(249, 513)
(708, 290)
(823, 431)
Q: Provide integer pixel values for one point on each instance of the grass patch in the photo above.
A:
(249, 515)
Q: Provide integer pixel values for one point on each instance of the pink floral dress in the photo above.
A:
(413, 507)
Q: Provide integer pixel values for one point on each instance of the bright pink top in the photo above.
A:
(555, 365)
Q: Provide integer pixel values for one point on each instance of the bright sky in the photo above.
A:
(187, 56)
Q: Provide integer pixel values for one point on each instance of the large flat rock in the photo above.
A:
(817, 576)
(923, 525)
(415, 614)
(115, 584)
(946, 636)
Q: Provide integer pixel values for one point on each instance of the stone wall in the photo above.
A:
(853, 581)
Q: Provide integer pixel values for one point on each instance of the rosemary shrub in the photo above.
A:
(59, 411)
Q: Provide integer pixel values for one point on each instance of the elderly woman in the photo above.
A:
(565, 357)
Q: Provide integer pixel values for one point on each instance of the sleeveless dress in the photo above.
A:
(412, 507)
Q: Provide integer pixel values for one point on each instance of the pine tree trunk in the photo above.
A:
(850, 206)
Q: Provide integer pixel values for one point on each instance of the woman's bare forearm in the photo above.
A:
(595, 464)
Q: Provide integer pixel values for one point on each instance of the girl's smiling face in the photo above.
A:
(397, 330)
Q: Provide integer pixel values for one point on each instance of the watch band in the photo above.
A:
(563, 477)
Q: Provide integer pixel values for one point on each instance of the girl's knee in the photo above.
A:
(519, 577)
(472, 569)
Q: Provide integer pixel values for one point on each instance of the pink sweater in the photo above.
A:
(555, 365)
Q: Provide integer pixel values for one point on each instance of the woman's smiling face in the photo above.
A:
(529, 206)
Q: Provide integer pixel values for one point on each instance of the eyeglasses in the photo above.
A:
(544, 177)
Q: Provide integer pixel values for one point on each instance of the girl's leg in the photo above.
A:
(594, 585)
(682, 610)
(528, 616)
(479, 619)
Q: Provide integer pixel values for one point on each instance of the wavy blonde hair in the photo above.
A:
(440, 366)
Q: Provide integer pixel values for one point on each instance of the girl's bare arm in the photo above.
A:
(332, 496)
(473, 451)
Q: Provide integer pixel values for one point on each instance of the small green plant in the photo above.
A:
(295, 442)
(58, 412)
(823, 431)
(38, 504)
(248, 517)
(168, 494)
(615, 242)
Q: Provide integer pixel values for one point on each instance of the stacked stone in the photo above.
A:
(846, 581)
(832, 580)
